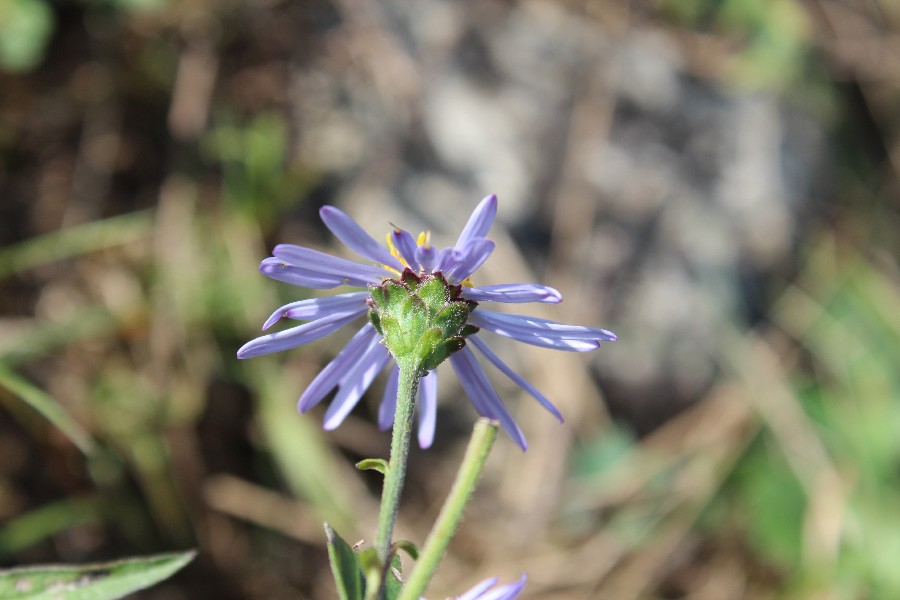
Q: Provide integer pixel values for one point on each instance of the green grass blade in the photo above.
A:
(41, 402)
(74, 241)
(48, 520)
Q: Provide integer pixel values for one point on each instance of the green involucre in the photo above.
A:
(421, 318)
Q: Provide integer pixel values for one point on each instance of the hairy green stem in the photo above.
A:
(483, 436)
(396, 472)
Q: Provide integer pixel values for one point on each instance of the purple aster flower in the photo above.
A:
(483, 590)
(365, 356)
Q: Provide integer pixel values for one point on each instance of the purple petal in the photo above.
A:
(466, 261)
(476, 592)
(355, 383)
(513, 293)
(483, 395)
(510, 591)
(495, 360)
(352, 235)
(480, 222)
(446, 258)
(406, 246)
(297, 336)
(307, 258)
(427, 408)
(316, 308)
(388, 405)
(331, 375)
(541, 332)
(427, 257)
(280, 270)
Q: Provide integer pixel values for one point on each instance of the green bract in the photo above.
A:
(421, 318)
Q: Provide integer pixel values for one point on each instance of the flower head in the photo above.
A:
(410, 272)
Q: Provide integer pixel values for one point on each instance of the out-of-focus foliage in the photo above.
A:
(773, 37)
(25, 28)
(258, 179)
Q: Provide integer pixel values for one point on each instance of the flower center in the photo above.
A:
(422, 241)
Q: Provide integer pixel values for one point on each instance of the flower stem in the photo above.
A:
(483, 436)
(408, 385)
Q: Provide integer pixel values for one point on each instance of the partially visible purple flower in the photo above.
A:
(483, 590)
(364, 356)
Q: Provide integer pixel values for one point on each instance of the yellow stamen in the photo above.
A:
(423, 239)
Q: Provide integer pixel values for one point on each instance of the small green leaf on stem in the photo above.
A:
(407, 546)
(373, 464)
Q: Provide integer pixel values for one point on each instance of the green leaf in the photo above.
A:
(393, 586)
(373, 464)
(407, 546)
(96, 581)
(372, 565)
(348, 576)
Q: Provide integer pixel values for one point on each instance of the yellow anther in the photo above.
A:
(423, 239)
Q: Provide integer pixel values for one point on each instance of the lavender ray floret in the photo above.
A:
(518, 379)
(480, 222)
(447, 257)
(406, 246)
(355, 383)
(510, 591)
(541, 332)
(388, 405)
(316, 308)
(479, 589)
(427, 408)
(307, 258)
(331, 375)
(354, 237)
(297, 336)
(513, 293)
(427, 257)
(466, 261)
(576, 332)
(483, 395)
(280, 270)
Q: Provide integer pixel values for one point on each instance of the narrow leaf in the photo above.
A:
(407, 546)
(393, 585)
(97, 581)
(348, 577)
(375, 574)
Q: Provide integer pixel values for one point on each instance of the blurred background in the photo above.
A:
(715, 181)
